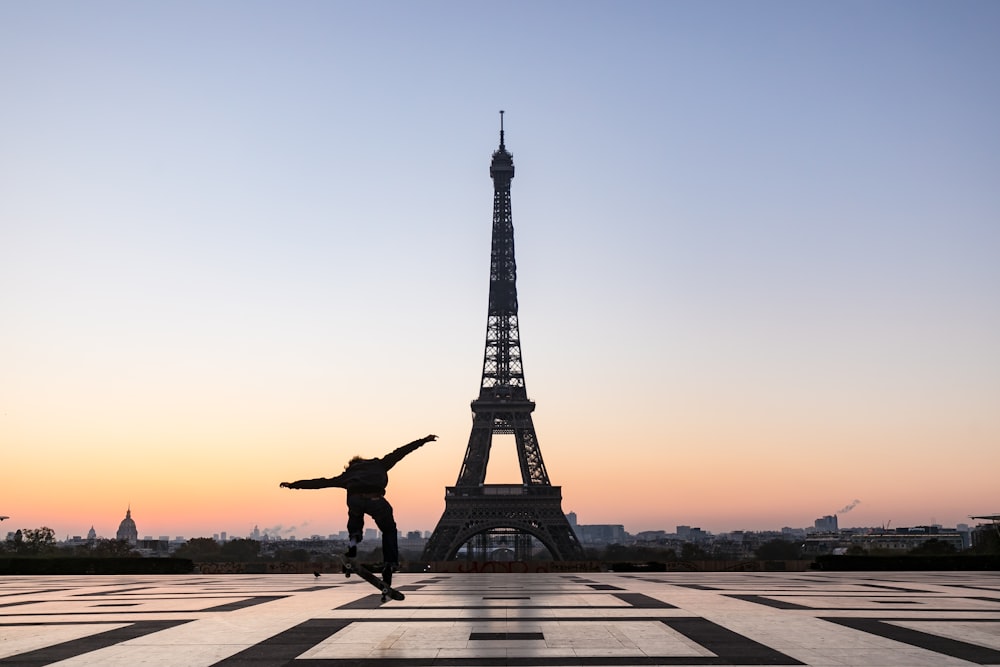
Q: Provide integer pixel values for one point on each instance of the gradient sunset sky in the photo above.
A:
(758, 251)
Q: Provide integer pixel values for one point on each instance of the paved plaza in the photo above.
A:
(910, 619)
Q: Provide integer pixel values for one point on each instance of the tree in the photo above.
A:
(778, 549)
(240, 550)
(199, 549)
(691, 551)
(932, 547)
(112, 549)
(636, 553)
(297, 555)
(17, 541)
(36, 541)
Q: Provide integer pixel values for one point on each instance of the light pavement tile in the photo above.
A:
(658, 639)
(545, 652)
(449, 655)
(401, 655)
(895, 658)
(344, 651)
(618, 652)
(124, 656)
(514, 625)
(422, 637)
(373, 633)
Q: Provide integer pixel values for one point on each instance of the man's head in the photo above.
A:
(353, 461)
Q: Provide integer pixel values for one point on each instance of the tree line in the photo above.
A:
(41, 542)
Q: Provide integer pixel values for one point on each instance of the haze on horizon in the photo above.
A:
(758, 257)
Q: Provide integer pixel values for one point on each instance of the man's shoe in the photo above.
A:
(387, 571)
(352, 552)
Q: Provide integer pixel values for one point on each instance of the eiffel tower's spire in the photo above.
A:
(502, 166)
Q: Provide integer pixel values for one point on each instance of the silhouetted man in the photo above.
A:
(365, 481)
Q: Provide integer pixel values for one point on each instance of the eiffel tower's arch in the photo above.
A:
(497, 514)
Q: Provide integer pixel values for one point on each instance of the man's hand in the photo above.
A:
(430, 438)
(285, 485)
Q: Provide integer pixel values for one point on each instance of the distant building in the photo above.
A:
(793, 533)
(651, 536)
(824, 544)
(827, 524)
(127, 531)
(689, 534)
(966, 533)
(601, 533)
(596, 533)
(150, 547)
(905, 539)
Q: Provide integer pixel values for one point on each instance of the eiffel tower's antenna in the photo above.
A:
(501, 128)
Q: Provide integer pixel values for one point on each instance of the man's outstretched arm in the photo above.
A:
(394, 457)
(318, 483)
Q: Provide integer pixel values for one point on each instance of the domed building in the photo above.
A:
(127, 530)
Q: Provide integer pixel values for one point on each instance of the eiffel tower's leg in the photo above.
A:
(477, 455)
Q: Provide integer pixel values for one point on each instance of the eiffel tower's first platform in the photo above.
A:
(483, 519)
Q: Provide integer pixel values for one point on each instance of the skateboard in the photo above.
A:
(349, 567)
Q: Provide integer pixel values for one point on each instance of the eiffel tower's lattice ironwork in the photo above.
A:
(485, 520)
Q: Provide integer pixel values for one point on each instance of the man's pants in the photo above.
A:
(380, 511)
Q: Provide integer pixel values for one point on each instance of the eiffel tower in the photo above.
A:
(502, 521)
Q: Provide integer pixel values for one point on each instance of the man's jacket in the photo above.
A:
(364, 475)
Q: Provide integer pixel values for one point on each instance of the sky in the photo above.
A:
(758, 252)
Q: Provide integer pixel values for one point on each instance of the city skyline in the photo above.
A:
(758, 257)
(303, 532)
